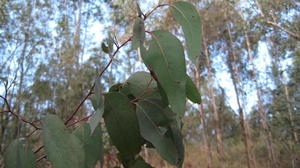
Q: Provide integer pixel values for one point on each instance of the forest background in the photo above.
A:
(248, 73)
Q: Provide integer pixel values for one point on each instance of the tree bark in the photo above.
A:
(203, 121)
(235, 80)
(262, 114)
(220, 146)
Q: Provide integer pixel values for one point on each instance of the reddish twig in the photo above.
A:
(41, 158)
(16, 115)
(92, 88)
(78, 121)
(29, 135)
(158, 6)
(38, 149)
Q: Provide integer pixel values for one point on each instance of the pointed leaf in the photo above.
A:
(138, 33)
(178, 140)
(188, 17)
(19, 155)
(152, 133)
(166, 58)
(121, 123)
(192, 92)
(62, 148)
(92, 144)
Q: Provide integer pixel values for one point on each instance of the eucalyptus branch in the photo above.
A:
(92, 88)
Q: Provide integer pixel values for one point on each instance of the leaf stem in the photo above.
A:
(158, 6)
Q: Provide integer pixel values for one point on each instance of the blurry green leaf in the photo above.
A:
(152, 133)
(138, 33)
(192, 92)
(166, 58)
(105, 48)
(139, 10)
(115, 87)
(188, 17)
(18, 155)
(160, 115)
(121, 123)
(92, 144)
(178, 140)
(95, 119)
(140, 82)
(62, 148)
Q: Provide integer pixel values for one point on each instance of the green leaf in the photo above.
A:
(138, 33)
(121, 123)
(178, 140)
(116, 87)
(105, 48)
(92, 144)
(154, 134)
(99, 107)
(160, 115)
(140, 83)
(62, 148)
(188, 17)
(192, 92)
(19, 155)
(166, 58)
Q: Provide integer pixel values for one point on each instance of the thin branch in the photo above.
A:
(296, 36)
(41, 158)
(16, 115)
(29, 135)
(92, 88)
(80, 120)
(158, 6)
(38, 149)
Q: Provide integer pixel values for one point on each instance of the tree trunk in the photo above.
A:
(262, 114)
(220, 146)
(235, 80)
(203, 121)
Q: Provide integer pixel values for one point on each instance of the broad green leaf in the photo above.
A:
(92, 144)
(19, 155)
(121, 123)
(141, 83)
(192, 92)
(159, 114)
(188, 17)
(62, 148)
(138, 33)
(152, 133)
(166, 58)
(99, 107)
